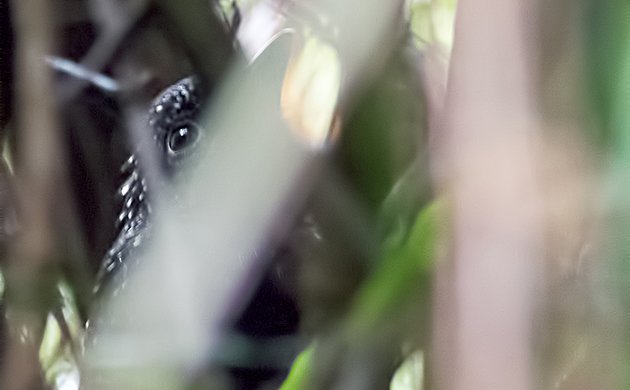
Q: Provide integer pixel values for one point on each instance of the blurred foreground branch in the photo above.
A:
(491, 132)
(170, 314)
(39, 175)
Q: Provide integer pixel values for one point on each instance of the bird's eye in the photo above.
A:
(182, 138)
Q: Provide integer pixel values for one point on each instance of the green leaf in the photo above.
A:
(403, 272)
(301, 371)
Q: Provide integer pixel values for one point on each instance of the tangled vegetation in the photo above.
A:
(302, 194)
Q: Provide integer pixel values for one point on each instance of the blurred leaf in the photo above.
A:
(310, 91)
(51, 341)
(390, 293)
(410, 374)
(386, 131)
(403, 272)
(607, 33)
(398, 210)
(422, 24)
(432, 23)
(300, 371)
(58, 346)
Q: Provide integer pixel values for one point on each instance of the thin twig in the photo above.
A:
(108, 43)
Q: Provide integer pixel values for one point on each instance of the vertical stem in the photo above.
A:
(38, 169)
(490, 128)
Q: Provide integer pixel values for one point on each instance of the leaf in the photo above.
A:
(300, 371)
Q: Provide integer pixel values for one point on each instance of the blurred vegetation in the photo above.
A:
(361, 260)
(607, 60)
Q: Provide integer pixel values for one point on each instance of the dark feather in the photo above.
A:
(176, 107)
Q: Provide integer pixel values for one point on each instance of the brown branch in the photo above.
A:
(46, 214)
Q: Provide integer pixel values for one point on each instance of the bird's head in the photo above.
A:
(173, 119)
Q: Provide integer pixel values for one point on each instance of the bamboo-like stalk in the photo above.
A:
(39, 166)
(491, 130)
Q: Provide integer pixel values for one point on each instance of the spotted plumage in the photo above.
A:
(271, 312)
(172, 121)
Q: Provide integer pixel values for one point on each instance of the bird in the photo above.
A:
(172, 120)
(176, 135)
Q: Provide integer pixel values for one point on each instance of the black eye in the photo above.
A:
(182, 138)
